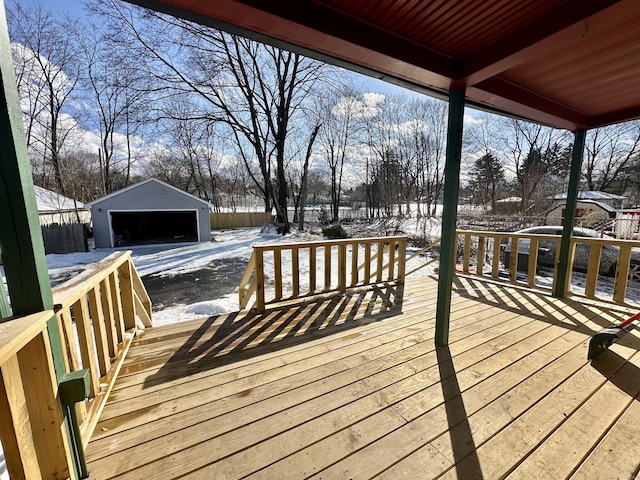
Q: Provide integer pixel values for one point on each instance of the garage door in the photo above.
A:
(146, 228)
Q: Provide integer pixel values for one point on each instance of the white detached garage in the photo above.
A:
(149, 212)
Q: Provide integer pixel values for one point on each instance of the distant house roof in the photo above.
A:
(52, 202)
(605, 206)
(135, 185)
(509, 200)
(591, 195)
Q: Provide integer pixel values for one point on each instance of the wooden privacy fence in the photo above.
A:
(64, 238)
(327, 266)
(98, 314)
(482, 247)
(239, 219)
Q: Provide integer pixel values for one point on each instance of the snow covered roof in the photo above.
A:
(49, 201)
(591, 195)
(605, 206)
(509, 200)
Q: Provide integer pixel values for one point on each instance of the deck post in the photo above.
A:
(562, 266)
(449, 213)
(23, 251)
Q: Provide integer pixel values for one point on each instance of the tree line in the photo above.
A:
(124, 93)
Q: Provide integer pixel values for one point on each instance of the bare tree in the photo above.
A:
(257, 91)
(532, 149)
(341, 111)
(47, 72)
(120, 93)
(608, 153)
(300, 177)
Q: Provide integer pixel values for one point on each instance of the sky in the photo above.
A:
(76, 8)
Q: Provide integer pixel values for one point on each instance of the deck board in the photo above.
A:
(340, 388)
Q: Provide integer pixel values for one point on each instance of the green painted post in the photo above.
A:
(562, 266)
(449, 214)
(24, 259)
(5, 308)
(20, 236)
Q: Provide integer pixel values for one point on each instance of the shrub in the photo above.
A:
(323, 216)
(335, 232)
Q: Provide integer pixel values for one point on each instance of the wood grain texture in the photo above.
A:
(340, 389)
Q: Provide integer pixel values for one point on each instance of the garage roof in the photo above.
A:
(566, 63)
(135, 185)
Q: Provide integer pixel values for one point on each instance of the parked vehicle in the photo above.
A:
(547, 251)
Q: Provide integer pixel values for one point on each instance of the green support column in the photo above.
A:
(570, 213)
(20, 236)
(23, 254)
(449, 214)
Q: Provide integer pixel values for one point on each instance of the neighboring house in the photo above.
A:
(508, 206)
(616, 201)
(55, 208)
(587, 210)
(628, 223)
(149, 212)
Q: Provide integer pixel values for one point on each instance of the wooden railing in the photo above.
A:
(483, 247)
(53, 382)
(31, 416)
(98, 314)
(333, 266)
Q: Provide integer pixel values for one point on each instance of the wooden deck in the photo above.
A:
(338, 390)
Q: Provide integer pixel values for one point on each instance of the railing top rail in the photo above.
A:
(16, 332)
(575, 238)
(317, 243)
(70, 291)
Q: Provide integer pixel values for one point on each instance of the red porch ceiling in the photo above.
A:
(566, 63)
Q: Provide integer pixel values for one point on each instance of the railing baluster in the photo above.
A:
(295, 271)
(107, 311)
(277, 273)
(533, 261)
(622, 274)
(99, 332)
(259, 280)
(593, 269)
(114, 285)
(327, 267)
(342, 268)
(85, 338)
(367, 262)
(312, 269)
(480, 255)
(495, 258)
(380, 261)
(127, 296)
(354, 263)
(466, 259)
(392, 258)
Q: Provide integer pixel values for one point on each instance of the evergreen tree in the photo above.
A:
(487, 174)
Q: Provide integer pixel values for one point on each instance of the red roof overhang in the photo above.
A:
(570, 64)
